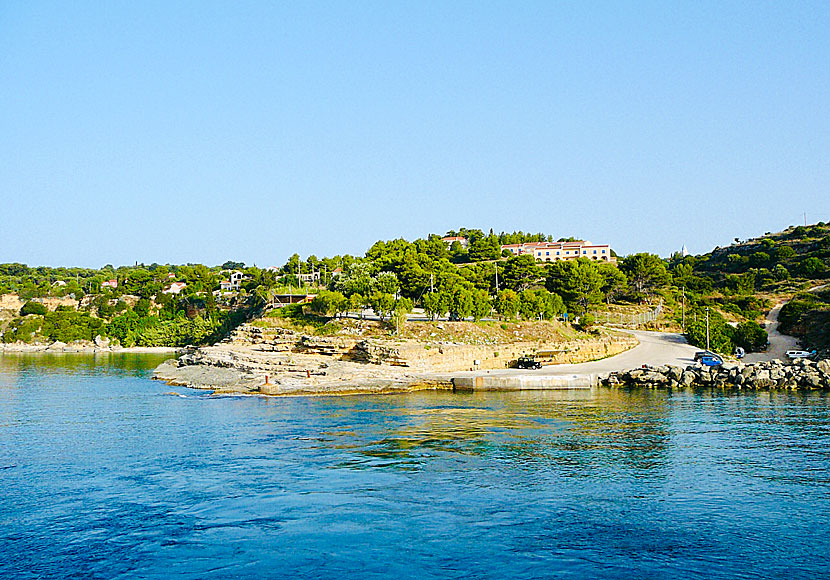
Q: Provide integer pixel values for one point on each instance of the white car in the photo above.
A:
(800, 353)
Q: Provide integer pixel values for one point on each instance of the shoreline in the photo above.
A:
(86, 349)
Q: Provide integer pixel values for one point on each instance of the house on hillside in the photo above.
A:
(175, 288)
(460, 239)
(313, 277)
(113, 283)
(234, 282)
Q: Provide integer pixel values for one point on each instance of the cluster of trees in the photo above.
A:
(64, 324)
(724, 337)
(396, 275)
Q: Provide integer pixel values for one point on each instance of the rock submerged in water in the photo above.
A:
(801, 374)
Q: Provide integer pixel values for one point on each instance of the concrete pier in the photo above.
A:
(488, 382)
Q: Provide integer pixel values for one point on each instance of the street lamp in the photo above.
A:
(707, 328)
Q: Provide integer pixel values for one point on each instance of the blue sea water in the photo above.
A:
(104, 475)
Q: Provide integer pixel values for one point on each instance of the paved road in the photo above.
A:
(655, 348)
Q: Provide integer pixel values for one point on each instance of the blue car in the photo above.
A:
(710, 361)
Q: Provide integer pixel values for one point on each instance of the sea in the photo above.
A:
(106, 473)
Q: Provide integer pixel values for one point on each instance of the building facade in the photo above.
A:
(562, 251)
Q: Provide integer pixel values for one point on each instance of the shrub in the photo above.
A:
(33, 308)
(750, 336)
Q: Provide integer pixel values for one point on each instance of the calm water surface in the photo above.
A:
(105, 476)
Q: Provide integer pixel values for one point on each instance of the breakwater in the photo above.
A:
(801, 374)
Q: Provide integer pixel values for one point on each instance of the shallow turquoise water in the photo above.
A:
(105, 476)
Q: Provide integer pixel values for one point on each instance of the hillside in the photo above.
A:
(744, 279)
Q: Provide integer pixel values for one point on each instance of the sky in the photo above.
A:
(200, 132)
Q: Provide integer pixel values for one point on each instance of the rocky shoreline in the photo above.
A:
(102, 346)
(802, 374)
(249, 371)
(278, 361)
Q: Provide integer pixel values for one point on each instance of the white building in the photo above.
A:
(175, 288)
(234, 282)
(460, 239)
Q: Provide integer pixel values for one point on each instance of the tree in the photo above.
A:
(357, 281)
(461, 303)
(720, 333)
(484, 248)
(436, 304)
(646, 275)
(481, 304)
(382, 303)
(614, 282)
(33, 308)
(402, 307)
(507, 304)
(329, 303)
(584, 286)
(521, 272)
(386, 282)
(539, 303)
(751, 336)
(142, 307)
(811, 268)
(357, 302)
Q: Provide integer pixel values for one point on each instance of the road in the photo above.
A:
(779, 343)
(655, 348)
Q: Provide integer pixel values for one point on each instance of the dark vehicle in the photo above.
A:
(702, 353)
(710, 361)
(527, 362)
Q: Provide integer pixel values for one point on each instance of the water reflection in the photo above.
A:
(73, 364)
(580, 432)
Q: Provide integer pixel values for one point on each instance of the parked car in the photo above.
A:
(794, 354)
(527, 362)
(711, 361)
(702, 353)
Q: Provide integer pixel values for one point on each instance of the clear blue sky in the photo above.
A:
(200, 131)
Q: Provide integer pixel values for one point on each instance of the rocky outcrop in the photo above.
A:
(241, 369)
(801, 374)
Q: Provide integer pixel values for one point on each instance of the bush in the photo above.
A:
(750, 336)
(587, 320)
(33, 308)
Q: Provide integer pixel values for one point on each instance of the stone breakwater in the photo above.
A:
(801, 374)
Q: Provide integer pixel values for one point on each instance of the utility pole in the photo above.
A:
(805, 219)
(431, 288)
(497, 278)
(707, 328)
(683, 323)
